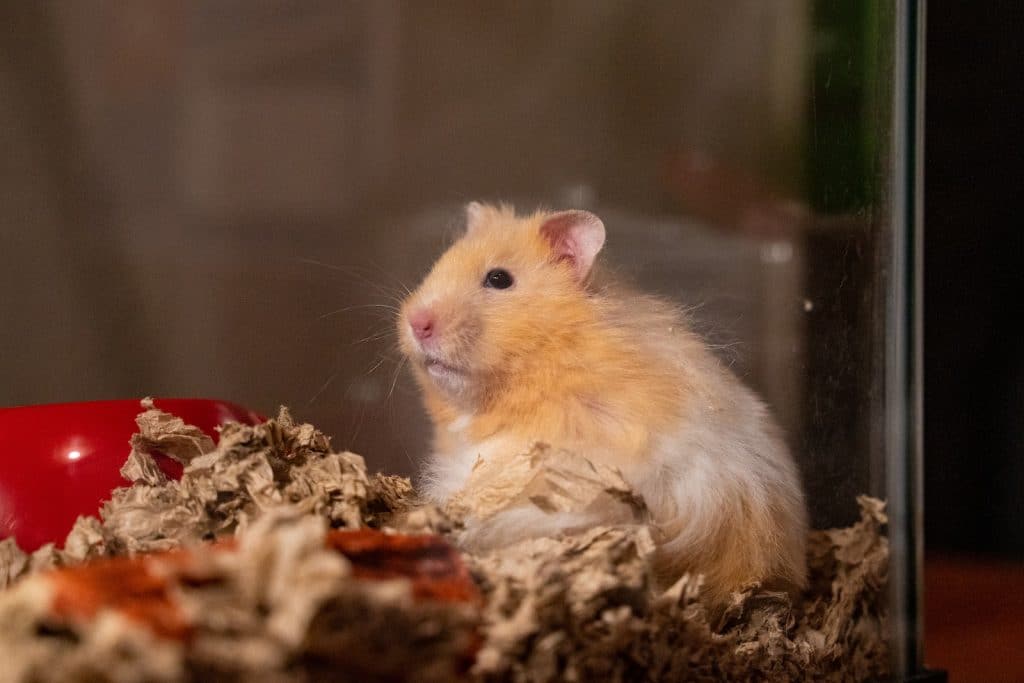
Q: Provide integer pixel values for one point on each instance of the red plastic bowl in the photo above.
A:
(60, 461)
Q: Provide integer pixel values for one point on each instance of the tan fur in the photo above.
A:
(617, 377)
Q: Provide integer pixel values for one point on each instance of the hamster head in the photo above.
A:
(504, 296)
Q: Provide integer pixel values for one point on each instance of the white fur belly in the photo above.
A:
(446, 473)
(448, 470)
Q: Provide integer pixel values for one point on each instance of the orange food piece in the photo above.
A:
(130, 585)
(433, 566)
(124, 584)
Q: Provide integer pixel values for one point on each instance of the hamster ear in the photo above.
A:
(474, 216)
(574, 236)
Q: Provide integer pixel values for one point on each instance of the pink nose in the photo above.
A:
(422, 323)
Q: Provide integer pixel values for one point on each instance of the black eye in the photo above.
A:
(499, 278)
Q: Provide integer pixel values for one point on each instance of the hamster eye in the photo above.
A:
(499, 278)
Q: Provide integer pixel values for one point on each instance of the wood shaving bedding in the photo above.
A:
(282, 601)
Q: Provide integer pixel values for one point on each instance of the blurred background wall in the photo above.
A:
(220, 197)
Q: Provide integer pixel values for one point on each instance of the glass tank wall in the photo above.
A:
(222, 197)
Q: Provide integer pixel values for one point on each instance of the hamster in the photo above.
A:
(513, 341)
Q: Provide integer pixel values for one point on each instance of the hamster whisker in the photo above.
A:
(323, 387)
(405, 289)
(394, 380)
(375, 336)
(346, 309)
(380, 361)
(360, 419)
(393, 294)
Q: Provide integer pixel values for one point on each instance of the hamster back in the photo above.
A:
(512, 341)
